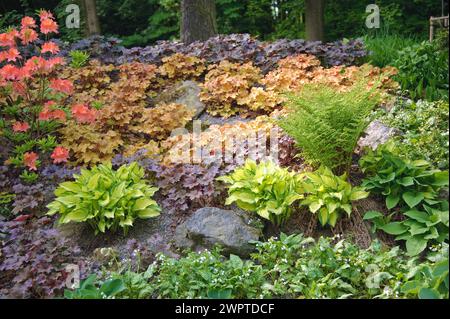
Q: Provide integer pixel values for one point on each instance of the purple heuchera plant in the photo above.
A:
(33, 258)
(233, 47)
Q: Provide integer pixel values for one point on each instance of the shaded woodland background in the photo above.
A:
(143, 22)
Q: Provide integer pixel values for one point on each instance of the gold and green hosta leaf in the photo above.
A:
(328, 195)
(105, 198)
(264, 188)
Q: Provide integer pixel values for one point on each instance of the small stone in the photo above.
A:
(186, 93)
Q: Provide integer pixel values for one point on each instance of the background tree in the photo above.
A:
(198, 20)
(143, 22)
(93, 23)
(314, 24)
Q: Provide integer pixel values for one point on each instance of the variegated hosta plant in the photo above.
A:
(329, 195)
(264, 188)
(105, 198)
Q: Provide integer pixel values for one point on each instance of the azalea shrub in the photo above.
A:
(32, 96)
(106, 199)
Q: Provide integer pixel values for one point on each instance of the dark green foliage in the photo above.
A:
(423, 71)
(430, 279)
(290, 267)
(412, 188)
(384, 48)
(89, 289)
(141, 22)
(403, 182)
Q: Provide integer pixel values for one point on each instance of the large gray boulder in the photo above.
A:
(231, 229)
(186, 93)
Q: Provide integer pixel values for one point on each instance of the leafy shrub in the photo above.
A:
(326, 124)
(238, 48)
(402, 181)
(299, 267)
(33, 259)
(294, 72)
(160, 121)
(213, 274)
(384, 48)
(88, 289)
(79, 58)
(423, 71)
(329, 195)
(228, 144)
(91, 82)
(88, 143)
(226, 87)
(187, 186)
(425, 130)
(415, 189)
(105, 198)
(429, 280)
(31, 92)
(264, 188)
(289, 267)
(182, 67)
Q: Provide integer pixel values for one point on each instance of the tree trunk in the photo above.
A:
(314, 13)
(93, 23)
(198, 20)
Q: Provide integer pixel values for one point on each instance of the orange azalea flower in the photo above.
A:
(64, 86)
(29, 159)
(83, 114)
(11, 55)
(8, 39)
(34, 64)
(21, 127)
(40, 65)
(45, 114)
(49, 103)
(9, 72)
(43, 15)
(28, 36)
(58, 115)
(48, 26)
(28, 22)
(50, 47)
(50, 64)
(60, 155)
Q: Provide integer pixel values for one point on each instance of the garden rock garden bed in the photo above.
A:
(233, 166)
